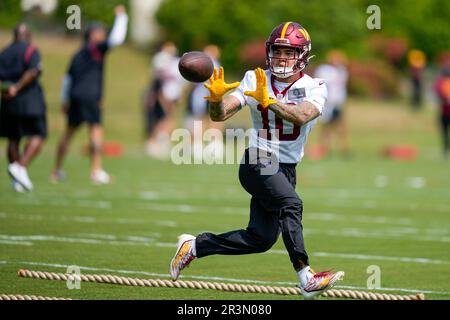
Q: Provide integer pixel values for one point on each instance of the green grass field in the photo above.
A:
(359, 212)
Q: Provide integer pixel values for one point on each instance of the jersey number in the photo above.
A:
(278, 125)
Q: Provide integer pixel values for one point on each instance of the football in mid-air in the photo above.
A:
(196, 66)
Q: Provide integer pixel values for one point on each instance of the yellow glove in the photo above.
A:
(217, 86)
(261, 94)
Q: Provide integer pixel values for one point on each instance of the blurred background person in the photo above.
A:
(334, 128)
(198, 111)
(417, 63)
(165, 90)
(442, 89)
(82, 91)
(23, 107)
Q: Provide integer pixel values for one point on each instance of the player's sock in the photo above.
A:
(304, 275)
(194, 249)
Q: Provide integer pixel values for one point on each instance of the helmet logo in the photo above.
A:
(305, 34)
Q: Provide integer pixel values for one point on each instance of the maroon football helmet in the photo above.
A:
(290, 35)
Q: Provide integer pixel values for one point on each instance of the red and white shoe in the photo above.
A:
(320, 282)
(183, 256)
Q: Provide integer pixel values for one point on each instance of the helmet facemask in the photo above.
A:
(289, 69)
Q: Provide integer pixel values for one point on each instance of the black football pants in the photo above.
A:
(275, 207)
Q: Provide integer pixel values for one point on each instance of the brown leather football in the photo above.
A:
(196, 66)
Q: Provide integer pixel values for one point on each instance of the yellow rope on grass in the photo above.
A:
(231, 287)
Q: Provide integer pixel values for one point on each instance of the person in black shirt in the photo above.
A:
(82, 92)
(23, 108)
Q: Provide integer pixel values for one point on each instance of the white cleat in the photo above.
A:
(17, 187)
(320, 282)
(19, 173)
(183, 256)
(100, 177)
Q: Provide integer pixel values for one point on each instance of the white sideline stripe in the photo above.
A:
(432, 235)
(69, 203)
(132, 242)
(369, 257)
(166, 223)
(186, 208)
(163, 275)
(378, 205)
(400, 233)
(88, 219)
(20, 243)
(143, 241)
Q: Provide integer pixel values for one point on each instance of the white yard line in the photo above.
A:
(166, 223)
(409, 234)
(13, 242)
(368, 257)
(208, 278)
(150, 242)
(87, 219)
(192, 209)
(51, 238)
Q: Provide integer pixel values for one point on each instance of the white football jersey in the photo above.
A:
(290, 141)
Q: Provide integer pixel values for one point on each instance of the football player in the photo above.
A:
(284, 103)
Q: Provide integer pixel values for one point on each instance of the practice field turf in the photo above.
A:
(357, 213)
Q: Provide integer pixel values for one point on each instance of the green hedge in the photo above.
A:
(335, 23)
(91, 10)
(10, 13)
(100, 10)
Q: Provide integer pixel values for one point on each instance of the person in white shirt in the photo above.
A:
(333, 122)
(162, 97)
(197, 111)
(284, 104)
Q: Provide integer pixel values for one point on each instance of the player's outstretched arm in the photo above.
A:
(119, 31)
(221, 108)
(221, 111)
(303, 113)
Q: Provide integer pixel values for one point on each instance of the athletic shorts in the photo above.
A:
(84, 111)
(17, 126)
(331, 115)
(154, 115)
